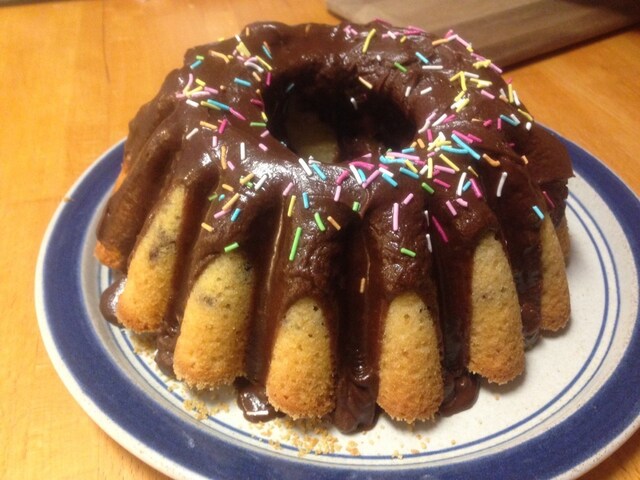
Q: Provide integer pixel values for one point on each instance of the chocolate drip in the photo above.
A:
(109, 299)
(321, 69)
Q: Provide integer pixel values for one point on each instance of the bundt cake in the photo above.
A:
(338, 218)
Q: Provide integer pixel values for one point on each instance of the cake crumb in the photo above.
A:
(352, 448)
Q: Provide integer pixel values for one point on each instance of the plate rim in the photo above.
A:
(168, 465)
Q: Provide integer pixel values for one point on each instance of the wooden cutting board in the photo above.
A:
(507, 31)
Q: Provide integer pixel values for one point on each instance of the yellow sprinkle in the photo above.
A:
(219, 55)
(403, 39)
(429, 167)
(460, 95)
(491, 161)
(413, 144)
(525, 159)
(462, 104)
(223, 156)
(247, 179)
(207, 227)
(510, 89)
(365, 83)
(247, 31)
(463, 82)
(482, 63)
(363, 283)
(420, 143)
(256, 76)
(242, 49)
(264, 62)
(470, 168)
(229, 188)
(200, 82)
(333, 222)
(481, 83)
(231, 201)
(264, 116)
(208, 125)
(194, 90)
(411, 166)
(446, 160)
(455, 77)
(526, 114)
(291, 204)
(440, 41)
(370, 35)
(209, 105)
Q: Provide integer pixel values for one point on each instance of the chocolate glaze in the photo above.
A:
(324, 66)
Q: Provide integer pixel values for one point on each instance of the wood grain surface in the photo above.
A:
(72, 74)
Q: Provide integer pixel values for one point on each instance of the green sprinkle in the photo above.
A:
(319, 222)
(257, 124)
(400, 67)
(231, 247)
(294, 247)
(427, 187)
(356, 206)
(212, 197)
(409, 253)
(199, 57)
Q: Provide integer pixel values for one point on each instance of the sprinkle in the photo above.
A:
(223, 125)
(441, 168)
(429, 246)
(466, 147)
(191, 133)
(231, 201)
(503, 178)
(319, 172)
(265, 49)
(356, 174)
(290, 87)
(389, 180)
(367, 41)
(220, 105)
(212, 197)
(407, 252)
(243, 151)
(528, 126)
(208, 125)
(409, 173)
(461, 183)
(446, 160)
(451, 208)
(396, 211)
(191, 103)
(260, 182)
(491, 161)
(432, 67)
(354, 103)
(207, 227)
(221, 214)
(439, 228)
(525, 160)
(538, 212)
(422, 58)
(291, 204)
(426, 90)
(342, 177)
(263, 147)
(407, 91)
(526, 114)
(510, 120)
(228, 187)
(487, 94)
(305, 199)
(548, 198)
(288, 188)
(407, 199)
(235, 214)
(219, 55)
(231, 247)
(365, 83)
(335, 224)
(356, 206)
(336, 196)
(427, 187)
(462, 201)
(242, 82)
(411, 166)
(442, 183)
(363, 283)
(195, 64)
(268, 81)
(223, 156)
(246, 179)
(294, 246)
(400, 67)
(305, 167)
(319, 222)
(475, 188)
(237, 114)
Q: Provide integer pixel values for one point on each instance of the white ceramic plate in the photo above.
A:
(578, 401)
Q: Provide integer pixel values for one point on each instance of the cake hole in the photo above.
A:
(331, 117)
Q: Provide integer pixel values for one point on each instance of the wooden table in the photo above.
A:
(73, 73)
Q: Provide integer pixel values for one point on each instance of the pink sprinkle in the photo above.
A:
(475, 188)
(487, 94)
(441, 168)
(451, 208)
(365, 165)
(237, 114)
(448, 34)
(449, 118)
(439, 228)
(189, 82)
(223, 125)
(264, 134)
(441, 183)
(462, 201)
(342, 177)
(211, 90)
(474, 138)
(462, 136)
(257, 102)
(221, 213)
(548, 198)
(429, 135)
(396, 210)
(230, 165)
(371, 178)
(402, 155)
(407, 199)
(263, 147)
(499, 127)
(495, 67)
(286, 191)
(336, 196)
(487, 123)
(268, 82)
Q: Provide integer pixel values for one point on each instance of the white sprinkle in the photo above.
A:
(396, 211)
(426, 90)
(515, 98)
(355, 173)
(528, 125)
(429, 242)
(407, 91)
(461, 183)
(440, 120)
(214, 141)
(242, 151)
(385, 171)
(192, 103)
(503, 178)
(191, 133)
(305, 167)
(378, 58)
(336, 196)
(354, 103)
(432, 67)
(260, 182)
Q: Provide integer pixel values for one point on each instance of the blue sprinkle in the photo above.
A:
(510, 120)
(422, 58)
(466, 147)
(266, 52)
(221, 197)
(363, 176)
(305, 199)
(242, 82)
(466, 186)
(408, 150)
(538, 212)
(449, 149)
(218, 104)
(235, 214)
(389, 161)
(316, 168)
(389, 180)
(409, 173)
(195, 64)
